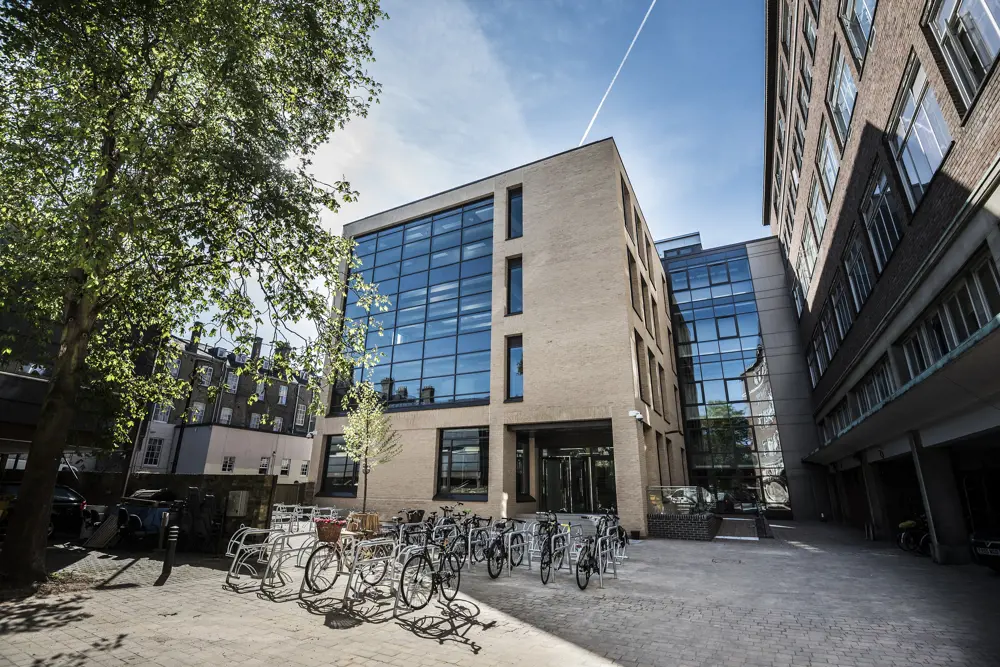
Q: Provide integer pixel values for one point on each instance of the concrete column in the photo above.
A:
(876, 500)
(942, 502)
(533, 475)
(836, 509)
(843, 501)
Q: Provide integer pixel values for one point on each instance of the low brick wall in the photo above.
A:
(683, 526)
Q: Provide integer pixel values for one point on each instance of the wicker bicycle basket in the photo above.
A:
(329, 531)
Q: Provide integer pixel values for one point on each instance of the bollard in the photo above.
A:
(168, 558)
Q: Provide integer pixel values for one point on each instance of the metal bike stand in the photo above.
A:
(409, 551)
(562, 532)
(470, 539)
(605, 554)
(355, 563)
(507, 540)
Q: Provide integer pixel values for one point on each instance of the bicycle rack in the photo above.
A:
(404, 556)
(282, 550)
(243, 551)
(470, 538)
(604, 551)
(562, 551)
(356, 564)
(507, 537)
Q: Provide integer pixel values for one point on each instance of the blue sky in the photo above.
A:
(474, 87)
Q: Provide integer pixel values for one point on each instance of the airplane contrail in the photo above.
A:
(622, 64)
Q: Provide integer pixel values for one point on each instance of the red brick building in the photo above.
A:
(881, 166)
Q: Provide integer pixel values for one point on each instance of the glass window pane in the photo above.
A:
(474, 341)
(415, 264)
(390, 286)
(386, 272)
(415, 297)
(366, 245)
(718, 274)
(407, 392)
(408, 352)
(389, 239)
(706, 330)
(388, 256)
(439, 366)
(711, 371)
(442, 309)
(446, 240)
(406, 371)
(474, 383)
(473, 362)
(476, 267)
(476, 285)
(417, 232)
(477, 249)
(437, 389)
(445, 274)
(416, 249)
(409, 334)
(471, 304)
(412, 281)
(749, 324)
(715, 391)
(515, 213)
(476, 216)
(445, 257)
(478, 233)
(410, 316)
(442, 292)
(698, 277)
(678, 280)
(439, 328)
(439, 347)
(726, 326)
(515, 368)
(447, 224)
(474, 322)
(739, 269)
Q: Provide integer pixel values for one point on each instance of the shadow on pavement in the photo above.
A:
(448, 623)
(88, 656)
(41, 613)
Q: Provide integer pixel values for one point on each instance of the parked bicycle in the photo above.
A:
(588, 562)
(554, 544)
(458, 540)
(432, 568)
(497, 553)
(914, 536)
(329, 559)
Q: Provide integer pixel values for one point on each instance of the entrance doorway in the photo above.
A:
(577, 479)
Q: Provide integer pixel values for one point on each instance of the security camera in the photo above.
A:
(636, 414)
(311, 434)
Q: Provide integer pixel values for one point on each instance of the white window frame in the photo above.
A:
(286, 467)
(842, 306)
(226, 416)
(916, 97)
(228, 463)
(861, 284)
(956, 29)
(232, 382)
(161, 413)
(841, 94)
(255, 420)
(279, 423)
(259, 390)
(196, 414)
(818, 213)
(304, 470)
(855, 15)
(300, 414)
(265, 465)
(827, 160)
(174, 367)
(152, 452)
(283, 394)
(809, 29)
(205, 371)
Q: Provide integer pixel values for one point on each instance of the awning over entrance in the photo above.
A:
(965, 381)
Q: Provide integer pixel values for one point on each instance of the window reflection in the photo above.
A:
(435, 340)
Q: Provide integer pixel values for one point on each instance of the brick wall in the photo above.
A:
(683, 526)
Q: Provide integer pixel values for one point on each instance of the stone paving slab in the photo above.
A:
(816, 595)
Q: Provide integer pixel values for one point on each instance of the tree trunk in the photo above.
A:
(23, 558)
(364, 496)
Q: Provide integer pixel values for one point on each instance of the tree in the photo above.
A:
(369, 438)
(155, 168)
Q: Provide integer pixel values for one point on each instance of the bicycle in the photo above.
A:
(609, 524)
(914, 536)
(588, 562)
(329, 559)
(458, 539)
(422, 576)
(553, 541)
(497, 552)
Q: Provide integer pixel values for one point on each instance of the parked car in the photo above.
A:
(68, 508)
(986, 550)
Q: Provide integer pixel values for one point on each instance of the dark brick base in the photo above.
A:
(683, 526)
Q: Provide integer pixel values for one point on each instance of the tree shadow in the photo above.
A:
(34, 614)
(82, 658)
(448, 623)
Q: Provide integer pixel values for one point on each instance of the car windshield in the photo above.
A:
(65, 495)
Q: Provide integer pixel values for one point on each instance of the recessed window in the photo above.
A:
(283, 394)
(205, 372)
(340, 473)
(300, 414)
(463, 463)
(875, 387)
(782, 85)
(627, 208)
(920, 136)
(968, 32)
(286, 466)
(226, 416)
(196, 413)
(633, 284)
(515, 368)
(817, 211)
(228, 463)
(304, 470)
(279, 424)
(151, 455)
(254, 420)
(786, 26)
(515, 294)
(859, 276)
(809, 29)
(842, 95)
(858, 16)
(161, 412)
(515, 214)
(265, 465)
(641, 369)
(883, 217)
(523, 467)
(828, 161)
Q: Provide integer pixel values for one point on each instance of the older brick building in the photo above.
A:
(881, 167)
(526, 354)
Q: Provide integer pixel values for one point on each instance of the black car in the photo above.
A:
(986, 550)
(67, 508)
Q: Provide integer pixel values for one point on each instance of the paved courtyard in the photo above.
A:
(815, 595)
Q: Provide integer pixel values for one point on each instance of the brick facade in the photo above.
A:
(701, 527)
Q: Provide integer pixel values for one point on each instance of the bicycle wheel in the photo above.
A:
(480, 544)
(417, 581)
(495, 557)
(545, 564)
(924, 545)
(583, 567)
(322, 568)
(516, 550)
(373, 572)
(458, 545)
(449, 577)
(908, 540)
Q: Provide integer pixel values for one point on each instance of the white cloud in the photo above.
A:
(447, 116)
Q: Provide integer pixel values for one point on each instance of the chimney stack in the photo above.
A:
(196, 332)
(257, 343)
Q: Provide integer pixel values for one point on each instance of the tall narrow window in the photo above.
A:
(642, 370)
(515, 368)
(859, 276)
(809, 29)
(232, 381)
(969, 34)
(254, 420)
(226, 416)
(883, 219)
(515, 301)
(633, 285)
(161, 412)
(206, 375)
(515, 213)
(339, 474)
(627, 207)
(857, 17)
(829, 162)
(920, 135)
(279, 424)
(300, 414)
(842, 94)
(265, 465)
(653, 380)
(786, 26)
(196, 413)
(151, 456)
(228, 463)
(286, 466)
(663, 391)
(523, 467)
(283, 394)
(645, 305)
(817, 211)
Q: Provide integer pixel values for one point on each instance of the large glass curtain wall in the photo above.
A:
(435, 338)
(732, 436)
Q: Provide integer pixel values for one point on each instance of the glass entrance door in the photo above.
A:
(577, 480)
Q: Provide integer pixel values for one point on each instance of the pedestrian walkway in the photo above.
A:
(814, 595)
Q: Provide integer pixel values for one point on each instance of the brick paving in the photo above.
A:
(815, 595)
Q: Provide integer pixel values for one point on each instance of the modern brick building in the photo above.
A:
(881, 167)
(742, 377)
(526, 357)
